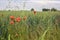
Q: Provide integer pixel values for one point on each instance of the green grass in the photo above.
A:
(41, 26)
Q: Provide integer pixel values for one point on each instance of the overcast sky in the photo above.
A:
(36, 4)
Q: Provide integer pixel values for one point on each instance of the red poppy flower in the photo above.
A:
(12, 17)
(34, 12)
(24, 18)
(11, 22)
(18, 19)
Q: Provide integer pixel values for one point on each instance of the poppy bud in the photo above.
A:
(34, 12)
(24, 18)
(16, 35)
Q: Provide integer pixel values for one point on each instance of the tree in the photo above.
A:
(32, 9)
(53, 9)
(44, 9)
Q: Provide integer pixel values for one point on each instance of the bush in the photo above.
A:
(44, 9)
(32, 9)
(53, 9)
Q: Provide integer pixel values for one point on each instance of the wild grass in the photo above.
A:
(42, 26)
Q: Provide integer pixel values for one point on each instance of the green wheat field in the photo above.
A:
(39, 26)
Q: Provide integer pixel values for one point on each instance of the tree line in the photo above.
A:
(46, 9)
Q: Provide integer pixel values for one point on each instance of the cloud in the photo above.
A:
(36, 4)
(39, 6)
(44, 0)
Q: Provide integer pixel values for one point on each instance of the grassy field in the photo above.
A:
(39, 26)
